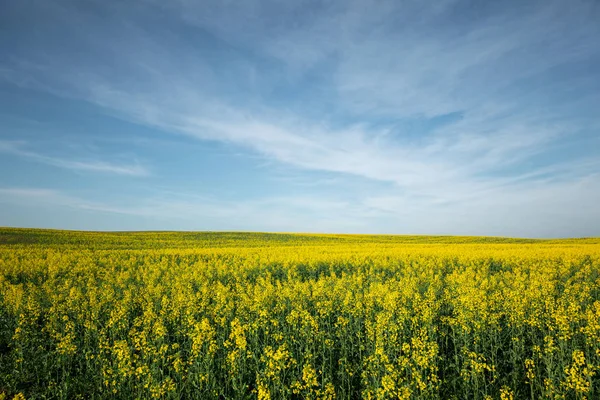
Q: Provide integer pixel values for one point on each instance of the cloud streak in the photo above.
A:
(17, 149)
(200, 212)
(492, 214)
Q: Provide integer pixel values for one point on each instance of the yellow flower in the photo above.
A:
(506, 393)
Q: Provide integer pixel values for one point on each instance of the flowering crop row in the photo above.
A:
(243, 316)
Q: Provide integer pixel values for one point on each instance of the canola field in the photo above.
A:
(187, 315)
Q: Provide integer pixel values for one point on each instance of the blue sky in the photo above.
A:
(446, 117)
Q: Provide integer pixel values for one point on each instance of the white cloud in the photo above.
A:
(549, 209)
(535, 211)
(200, 212)
(17, 148)
(415, 70)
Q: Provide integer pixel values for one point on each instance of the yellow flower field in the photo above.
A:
(278, 316)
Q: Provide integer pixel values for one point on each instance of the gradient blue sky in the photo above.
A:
(445, 117)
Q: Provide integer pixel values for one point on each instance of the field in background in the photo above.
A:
(252, 315)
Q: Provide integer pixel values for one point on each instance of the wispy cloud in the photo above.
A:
(412, 71)
(542, 209)
(492, 214)
(458, 159)
(18, 148)
(204, 213)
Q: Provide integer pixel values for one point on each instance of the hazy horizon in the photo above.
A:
(298, 233)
